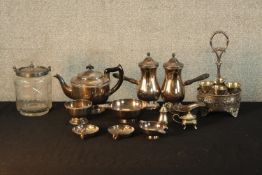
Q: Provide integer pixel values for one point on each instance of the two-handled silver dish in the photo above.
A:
(127, 110)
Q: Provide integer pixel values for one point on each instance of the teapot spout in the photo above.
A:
(66, 89)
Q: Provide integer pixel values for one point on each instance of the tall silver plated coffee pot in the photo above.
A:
(148, 88)
(173, 88)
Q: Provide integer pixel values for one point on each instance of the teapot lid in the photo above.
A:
(173, 63)
(90, 78)
(32, 71)
(148, 62)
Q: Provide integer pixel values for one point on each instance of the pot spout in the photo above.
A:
(66, 89)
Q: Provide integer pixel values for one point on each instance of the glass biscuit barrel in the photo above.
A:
(33, 87)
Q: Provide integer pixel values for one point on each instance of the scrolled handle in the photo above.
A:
(174, 116)
(120, 80)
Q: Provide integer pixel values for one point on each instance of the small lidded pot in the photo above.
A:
(33, 86)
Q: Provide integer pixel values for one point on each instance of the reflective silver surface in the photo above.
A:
(153, 129)
(128, 108)
(178, 107)
(163, 117)
(206, 86)
(182, 113)
(148, 88)
(233, 87)
(32, 71)
(173, 88)
(187, 119)
(78, 108)
(97, 93)
(121, 130)
(219, 90)
(224, 96)
(218, 103)
(84, 130)
(78, 121)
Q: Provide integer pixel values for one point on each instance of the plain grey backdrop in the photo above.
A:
(70, 34)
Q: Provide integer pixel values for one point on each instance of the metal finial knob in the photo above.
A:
(89, 67)
(32, 65)
(148, 54)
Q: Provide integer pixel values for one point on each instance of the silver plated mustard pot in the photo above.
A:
(182, 113)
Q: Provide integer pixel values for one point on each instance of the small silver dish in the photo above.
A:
(153, 129)
(121, 130)
(84, 130)
(78, 109)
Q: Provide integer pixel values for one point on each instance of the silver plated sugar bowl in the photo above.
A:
(33, 87)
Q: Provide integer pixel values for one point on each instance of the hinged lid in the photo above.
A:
(90, 78)
(32, 71)
(173, 63)
(148, 62)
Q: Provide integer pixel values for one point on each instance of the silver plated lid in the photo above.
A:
(90, 78)
(148, 62)
(173, 63)
(32, 71)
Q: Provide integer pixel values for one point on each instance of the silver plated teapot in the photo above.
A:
(92, 85)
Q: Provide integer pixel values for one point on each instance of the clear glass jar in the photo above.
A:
(33, 86)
